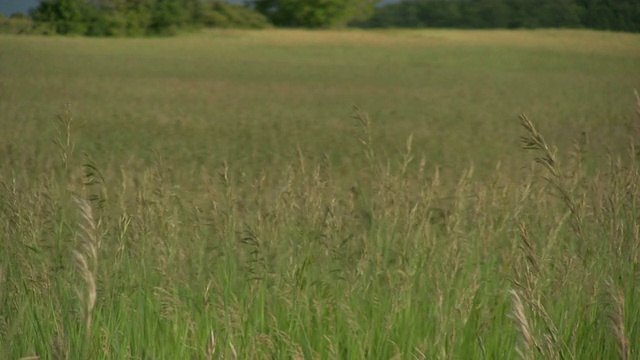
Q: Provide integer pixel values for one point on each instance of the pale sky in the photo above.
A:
(8, 7)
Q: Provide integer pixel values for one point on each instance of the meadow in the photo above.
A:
(289, 194)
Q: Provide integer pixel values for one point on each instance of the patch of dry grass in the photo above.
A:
(242, 210)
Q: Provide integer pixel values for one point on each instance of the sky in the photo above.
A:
(8, 7)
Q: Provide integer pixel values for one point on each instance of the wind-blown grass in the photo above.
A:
(230, 205)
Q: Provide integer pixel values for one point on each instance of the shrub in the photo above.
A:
(152, 17)
(66, 16)
(23, 25)
(226, 15)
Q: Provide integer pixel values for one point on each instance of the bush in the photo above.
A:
(138, 18)
(18, 16)
(66, 16)
(227, 15)
(23, 25)
(315, 13)
(622, 15)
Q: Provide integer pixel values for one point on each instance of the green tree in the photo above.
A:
(228, 15)
(495, 13)
(67, 16)
(394, 15)
(315, 13)
(619, 15)
(560, 13)
(169, 15)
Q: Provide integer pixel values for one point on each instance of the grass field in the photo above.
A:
(320, 195)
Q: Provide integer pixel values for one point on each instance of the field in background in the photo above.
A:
(320, 195)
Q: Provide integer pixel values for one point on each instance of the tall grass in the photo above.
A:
(288, 265)
(387, 254)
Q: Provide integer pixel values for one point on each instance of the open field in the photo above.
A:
(218, 196)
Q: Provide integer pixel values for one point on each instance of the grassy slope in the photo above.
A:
(231, 195)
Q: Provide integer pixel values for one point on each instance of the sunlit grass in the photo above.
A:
(221, 197)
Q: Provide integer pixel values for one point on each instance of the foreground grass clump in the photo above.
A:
(290, 265)
(153, 222)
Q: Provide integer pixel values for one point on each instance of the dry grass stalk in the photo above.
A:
(535, 141)
(94, 178)
(556, 348)
(527, 247)
(616, 317)
(528, 342)
(86, 257)
(169, 302)
(407, 156)
(211, 346)
(577, 156)
(637, 102)
(365, 133)
(419, 354)
(234, 354)
(634, 146)
(63, 141)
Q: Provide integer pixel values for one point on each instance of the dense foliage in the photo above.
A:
(620, 15)
(19, 23)
(315, 13)
(152, 17)
(142, 17)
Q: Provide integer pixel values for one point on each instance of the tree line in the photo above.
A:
(618, 15)
(142, 17)
(154, 17)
